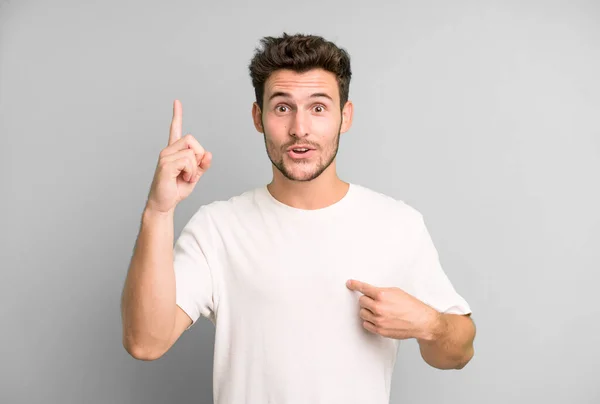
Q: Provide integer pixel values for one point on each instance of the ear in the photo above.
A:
(256, 117)
(347, 114)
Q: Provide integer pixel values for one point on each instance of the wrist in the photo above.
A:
(151, 214)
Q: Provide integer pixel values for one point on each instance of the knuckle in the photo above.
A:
(379, 294)
(163, 153)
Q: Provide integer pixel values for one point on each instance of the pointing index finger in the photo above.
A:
(363, 288)
(176, 123)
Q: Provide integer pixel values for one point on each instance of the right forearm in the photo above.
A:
(148, 301)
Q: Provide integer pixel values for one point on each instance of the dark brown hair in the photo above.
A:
(299, 53)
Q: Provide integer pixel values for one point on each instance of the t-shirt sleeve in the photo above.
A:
(194, 284)
(426, 279)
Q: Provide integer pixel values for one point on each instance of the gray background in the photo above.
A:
(484, 116)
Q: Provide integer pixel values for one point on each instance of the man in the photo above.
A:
(312, 282)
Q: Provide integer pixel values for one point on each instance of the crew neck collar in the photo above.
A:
(298, 211)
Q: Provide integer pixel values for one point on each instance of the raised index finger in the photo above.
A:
(176, 123)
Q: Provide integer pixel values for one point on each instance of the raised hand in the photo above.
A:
(180, 166)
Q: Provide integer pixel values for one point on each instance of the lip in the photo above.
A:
(301, 156)
(300, 146)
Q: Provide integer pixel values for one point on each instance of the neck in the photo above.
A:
(319, 193)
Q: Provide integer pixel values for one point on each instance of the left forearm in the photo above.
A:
(448, 344)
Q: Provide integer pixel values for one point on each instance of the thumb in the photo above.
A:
(206, 160)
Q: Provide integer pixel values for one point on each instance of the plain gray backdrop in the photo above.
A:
(482, 115)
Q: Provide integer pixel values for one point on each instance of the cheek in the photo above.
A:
(326, 127)
(275, 127)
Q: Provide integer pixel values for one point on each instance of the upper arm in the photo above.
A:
(182, 323)
(195, 291)
(425, 277)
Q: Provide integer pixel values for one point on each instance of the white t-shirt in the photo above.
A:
(272, 279)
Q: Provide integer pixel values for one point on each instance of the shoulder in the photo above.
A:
(393, 208)
(224, 208)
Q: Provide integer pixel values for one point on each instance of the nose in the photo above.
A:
(300, 124)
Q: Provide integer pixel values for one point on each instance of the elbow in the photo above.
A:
(466, 359)
(140, 352)
(454, 362)
(461, 365)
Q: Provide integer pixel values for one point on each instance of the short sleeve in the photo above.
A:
(426, 279)
(193, 276)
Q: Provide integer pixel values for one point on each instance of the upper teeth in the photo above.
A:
(301, 149)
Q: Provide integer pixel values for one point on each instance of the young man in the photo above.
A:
(312, 282)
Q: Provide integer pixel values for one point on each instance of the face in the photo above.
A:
(302, 110)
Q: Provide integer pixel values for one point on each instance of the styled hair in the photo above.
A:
(299, 53)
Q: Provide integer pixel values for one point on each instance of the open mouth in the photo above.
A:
(300, 150)
(300, 153)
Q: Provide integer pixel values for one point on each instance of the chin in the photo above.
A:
(297, 175)
(300, 171)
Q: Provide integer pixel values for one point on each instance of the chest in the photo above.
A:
(298, 270)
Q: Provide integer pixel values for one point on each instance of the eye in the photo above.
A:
(319, 108)
(281, 108)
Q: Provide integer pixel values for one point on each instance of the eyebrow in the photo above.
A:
(288, 95)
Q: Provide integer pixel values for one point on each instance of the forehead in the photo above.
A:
(302, 84)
